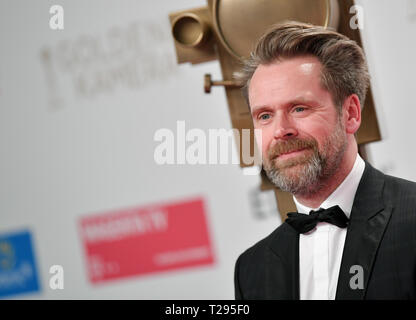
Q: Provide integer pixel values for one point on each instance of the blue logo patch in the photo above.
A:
(18, 272)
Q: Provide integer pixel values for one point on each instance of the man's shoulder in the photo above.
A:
(400, 190)
(396, 182)
(257, 250)
(395, 189)
(399, 195)
(253, 266)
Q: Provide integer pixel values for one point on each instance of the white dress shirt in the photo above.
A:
(320, 250)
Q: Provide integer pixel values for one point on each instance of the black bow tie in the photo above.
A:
(303, 223)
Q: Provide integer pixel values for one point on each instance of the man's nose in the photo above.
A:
(284, 128)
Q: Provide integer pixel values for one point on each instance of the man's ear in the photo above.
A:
(351, 111)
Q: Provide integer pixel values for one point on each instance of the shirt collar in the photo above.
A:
(344, 194)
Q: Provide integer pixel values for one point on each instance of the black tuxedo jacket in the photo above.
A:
(381, 238)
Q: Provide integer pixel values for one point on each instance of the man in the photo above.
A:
(306, 86)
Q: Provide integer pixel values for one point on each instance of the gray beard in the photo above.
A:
(312, 175)
(307, 180)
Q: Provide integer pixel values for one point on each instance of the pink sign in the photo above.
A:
(143, 240)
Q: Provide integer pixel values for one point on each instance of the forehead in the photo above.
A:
(282, 81)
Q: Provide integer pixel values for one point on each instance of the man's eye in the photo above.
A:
(265, 116)
(299, 109)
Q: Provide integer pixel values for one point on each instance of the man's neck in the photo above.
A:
(314, 200)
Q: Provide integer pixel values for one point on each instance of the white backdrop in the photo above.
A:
(75, 142)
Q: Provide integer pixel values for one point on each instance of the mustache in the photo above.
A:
(291, 145)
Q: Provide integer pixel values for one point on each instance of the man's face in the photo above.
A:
(303, 136)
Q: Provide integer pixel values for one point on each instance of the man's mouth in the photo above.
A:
(290, 154)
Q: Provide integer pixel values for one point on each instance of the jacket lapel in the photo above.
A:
(283, 265)
(368, 221)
